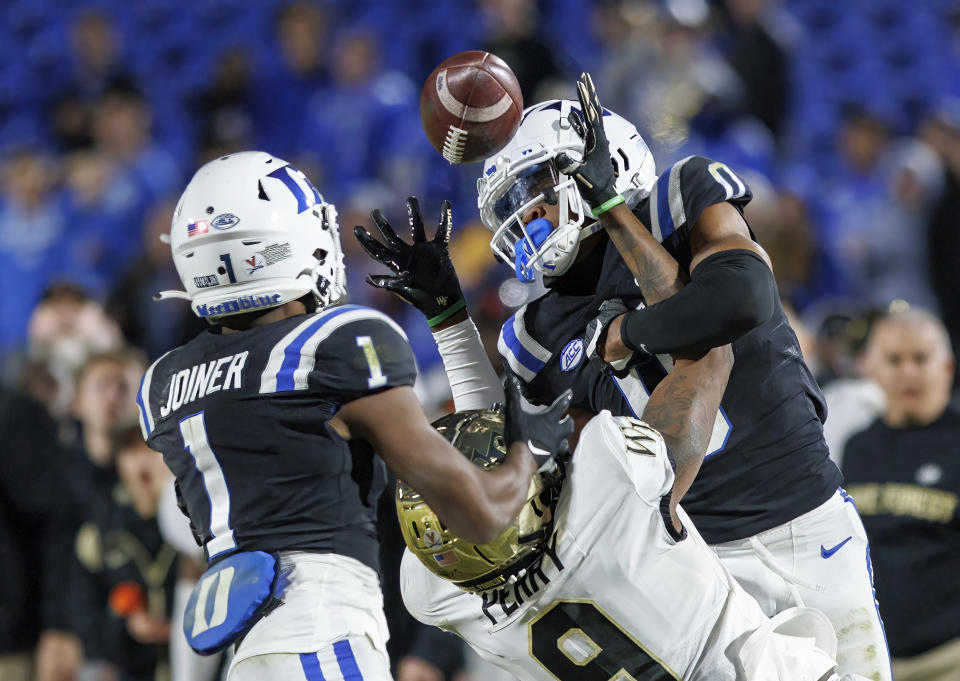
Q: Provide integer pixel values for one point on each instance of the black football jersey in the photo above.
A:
(767, 461)
(242, 420)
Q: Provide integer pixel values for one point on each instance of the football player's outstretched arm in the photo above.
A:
(476, 505)
(731, 288)
(425, 278)
(683, 407)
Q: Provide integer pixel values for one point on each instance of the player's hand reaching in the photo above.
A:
(542, 429)
(595, 339)
(424, 277)
(594, 173)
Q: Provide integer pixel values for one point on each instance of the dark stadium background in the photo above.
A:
(844, 118)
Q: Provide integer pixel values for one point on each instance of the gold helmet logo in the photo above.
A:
(478, 434)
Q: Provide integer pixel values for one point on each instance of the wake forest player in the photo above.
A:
(603, 576)
(270, 419)
(767, 496)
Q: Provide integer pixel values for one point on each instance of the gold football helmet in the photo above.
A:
(478, 434)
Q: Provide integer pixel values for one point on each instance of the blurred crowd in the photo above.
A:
(843, 117)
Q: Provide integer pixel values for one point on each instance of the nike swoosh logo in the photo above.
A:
(826, 553)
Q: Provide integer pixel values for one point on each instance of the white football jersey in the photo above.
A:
(616, 595)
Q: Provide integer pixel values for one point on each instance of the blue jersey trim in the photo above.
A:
(143, 411)
(524, 356)
(291, 356)
(347, 662)
(311, 667)
(664, 215)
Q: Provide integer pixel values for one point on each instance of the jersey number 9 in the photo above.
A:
(575, 639)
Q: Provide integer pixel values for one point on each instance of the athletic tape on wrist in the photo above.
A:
(446, 314)
(607, 205)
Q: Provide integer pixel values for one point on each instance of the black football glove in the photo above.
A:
(425, 277)
(594, 174)
(596, 335)
(543, 431)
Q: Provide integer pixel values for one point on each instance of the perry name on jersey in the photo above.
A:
(241, 419)
(767, 452)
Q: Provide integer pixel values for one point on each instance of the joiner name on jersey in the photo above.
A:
(201, 380)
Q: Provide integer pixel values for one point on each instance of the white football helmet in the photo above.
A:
(524, 174)
(251, 232)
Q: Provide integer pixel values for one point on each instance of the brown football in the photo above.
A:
(470, 106)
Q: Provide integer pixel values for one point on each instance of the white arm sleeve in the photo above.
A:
(473, 381)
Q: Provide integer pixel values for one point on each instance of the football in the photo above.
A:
(470, 106)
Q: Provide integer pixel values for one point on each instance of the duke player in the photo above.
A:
(270, 419)
(767, 497)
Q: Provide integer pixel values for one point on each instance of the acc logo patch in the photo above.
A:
(224, 221)
(571, 355)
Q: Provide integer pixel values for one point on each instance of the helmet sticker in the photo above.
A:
(272, 253)
(240, 304)
(432, 537)
(572, 355)
(253, 264)
(206, 281)
(224, 221)
(446, 558)
(198, 227)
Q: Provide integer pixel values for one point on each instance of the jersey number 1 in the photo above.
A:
(194, 431)
(377, 379)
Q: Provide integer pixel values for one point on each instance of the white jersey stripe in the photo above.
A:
(143, 398)
(268, 379)
(526, 340)
(676, 195)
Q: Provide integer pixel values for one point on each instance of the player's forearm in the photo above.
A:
(478, 505)
(657, 273)
(683, 407)
(473, 382)
(731, 293)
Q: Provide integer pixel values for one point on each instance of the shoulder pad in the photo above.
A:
(525, 356)
(688, 187)
(293, 358)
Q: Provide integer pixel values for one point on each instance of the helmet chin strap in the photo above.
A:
(169, 295)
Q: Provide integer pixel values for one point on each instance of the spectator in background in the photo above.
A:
(146, 325)
(95, 65)
(514, 35)
(32, 225)
(874, 210)
(904, 474)
(296, 69)
(35, 539)
(125, 575)
(65, 329)
(122, 133)
(756, 52)
(942, 133)
(358, 122)
(222, 112)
